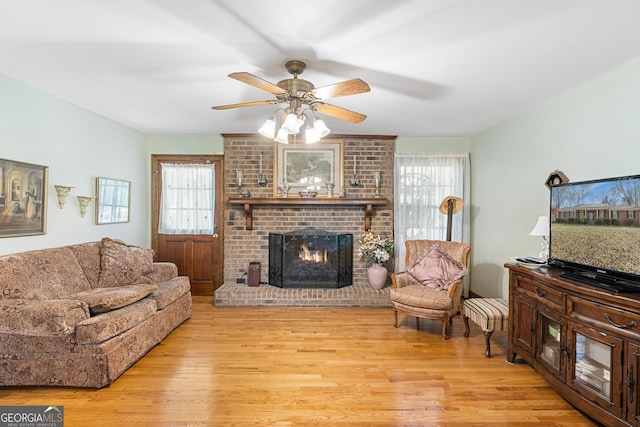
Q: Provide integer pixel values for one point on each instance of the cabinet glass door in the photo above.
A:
(593, 365)
(596, 368)
(551, 342)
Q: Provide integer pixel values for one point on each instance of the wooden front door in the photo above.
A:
(198, 256)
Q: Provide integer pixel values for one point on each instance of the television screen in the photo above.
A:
(595, 231)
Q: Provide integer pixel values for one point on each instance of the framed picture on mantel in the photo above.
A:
(308, 167)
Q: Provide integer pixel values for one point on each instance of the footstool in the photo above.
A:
(490, 314)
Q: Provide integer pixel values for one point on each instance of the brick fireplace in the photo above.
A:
(242, 246)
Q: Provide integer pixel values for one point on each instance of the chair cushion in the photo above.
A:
(122, 264)
(101, 300)
(421, 296)
(437, 269)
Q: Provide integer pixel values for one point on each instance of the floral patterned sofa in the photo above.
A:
(81, 315)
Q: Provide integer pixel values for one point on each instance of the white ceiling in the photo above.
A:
(435, 67)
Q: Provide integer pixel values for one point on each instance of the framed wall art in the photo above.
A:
(112, 200)
(23, 198)
(308, 167)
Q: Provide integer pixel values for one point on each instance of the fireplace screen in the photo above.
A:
(310, 258)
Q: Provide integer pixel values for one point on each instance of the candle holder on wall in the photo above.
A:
(354, 181)
(262, 181)
(239, 182)
(376, 181)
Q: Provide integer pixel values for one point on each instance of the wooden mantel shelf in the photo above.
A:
(250, 202)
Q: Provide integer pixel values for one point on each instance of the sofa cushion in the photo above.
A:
(437, 269)
(163, 271)
(47, 318)
(88, 256)
(41, 274)
(170, 290)
(101, 300)
(108, 325)
(122, 264)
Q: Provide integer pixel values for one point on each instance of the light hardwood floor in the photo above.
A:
(286, 366)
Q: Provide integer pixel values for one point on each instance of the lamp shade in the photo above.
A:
(542, 227)
(291, 123)
(268, 129)
(321, 129)
(311, 136)
(282, 137)
(457, 205)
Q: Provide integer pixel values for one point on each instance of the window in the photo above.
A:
(421, 183)
(187, 199)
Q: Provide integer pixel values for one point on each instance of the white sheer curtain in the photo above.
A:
(421, 183)
(187, 199)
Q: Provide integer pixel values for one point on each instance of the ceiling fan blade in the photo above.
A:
(245, 104)
(349, 87)
(339, 113)
(256, 81)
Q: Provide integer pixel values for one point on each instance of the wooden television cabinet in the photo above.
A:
(584, 341)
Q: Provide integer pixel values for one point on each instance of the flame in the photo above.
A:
(313, 256)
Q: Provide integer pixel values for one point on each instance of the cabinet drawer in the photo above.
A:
(610, 317)
(542, 293)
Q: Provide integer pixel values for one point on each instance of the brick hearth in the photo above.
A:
(358, 295)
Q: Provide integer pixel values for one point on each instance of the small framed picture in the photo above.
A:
(113, 197)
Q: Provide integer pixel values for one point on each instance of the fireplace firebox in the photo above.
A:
(310, 258)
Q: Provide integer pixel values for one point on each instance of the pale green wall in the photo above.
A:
(589, 132)
(77, 146)
(185, 144)
(411, 145)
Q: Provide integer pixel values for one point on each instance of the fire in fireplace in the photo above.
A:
(310, 258)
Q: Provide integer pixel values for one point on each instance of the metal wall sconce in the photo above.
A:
(262, 181)
(376, 181)
(84, 203)
(239, 182)
(62, 191)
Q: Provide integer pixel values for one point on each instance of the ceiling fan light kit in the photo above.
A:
(304, 101)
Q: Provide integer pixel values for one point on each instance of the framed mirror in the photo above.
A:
(112, 200)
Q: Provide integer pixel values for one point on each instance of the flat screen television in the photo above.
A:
(595, 232)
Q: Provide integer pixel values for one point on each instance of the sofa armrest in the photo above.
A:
(41, 317)
(163, 271)
(402, 279)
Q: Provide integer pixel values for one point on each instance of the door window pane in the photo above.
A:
(187, 199)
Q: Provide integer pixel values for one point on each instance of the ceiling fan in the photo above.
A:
(301, 95)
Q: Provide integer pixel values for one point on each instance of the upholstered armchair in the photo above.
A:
(431, 286)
